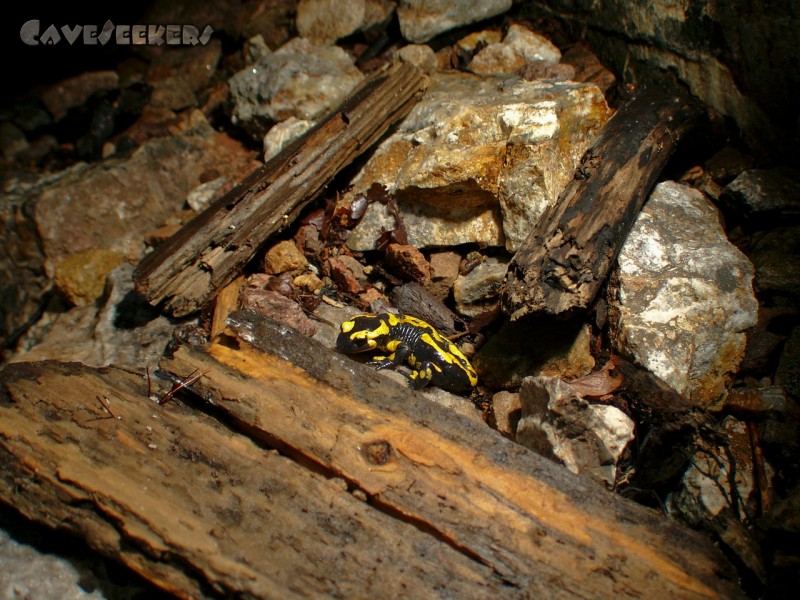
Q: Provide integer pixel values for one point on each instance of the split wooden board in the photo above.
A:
(308, 474)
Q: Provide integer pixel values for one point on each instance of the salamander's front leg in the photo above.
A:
(399, 353)
(421, 377)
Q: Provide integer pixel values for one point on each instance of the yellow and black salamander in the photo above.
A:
(433, 358)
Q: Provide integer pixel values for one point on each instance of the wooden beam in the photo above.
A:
(570, 251)
(198, 509)
(529, 520)
(186, 272)
(374, 491)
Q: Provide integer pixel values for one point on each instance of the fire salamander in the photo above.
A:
(433, 358)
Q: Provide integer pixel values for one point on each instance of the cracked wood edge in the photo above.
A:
(187, 270)
(570, 251)
(526, 518)
(196, 508)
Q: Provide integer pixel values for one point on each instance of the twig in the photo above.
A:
(107, 408)
(176, 387)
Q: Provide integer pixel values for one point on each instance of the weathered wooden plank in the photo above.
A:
(197, 508)
(570, 251)
(187, 271)
(535, 524)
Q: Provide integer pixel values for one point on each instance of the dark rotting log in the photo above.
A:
(188, 270)
(569, 253)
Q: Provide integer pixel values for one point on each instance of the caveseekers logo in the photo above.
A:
(124, 35)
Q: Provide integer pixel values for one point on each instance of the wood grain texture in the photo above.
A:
(537, 526)
(199, 509)
(187, 271)
(570, 251)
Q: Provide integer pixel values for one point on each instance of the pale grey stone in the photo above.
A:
(421, 20)
(201, 196)
(479, 290)
(519, 47)
(720, 476)
(419, 55)
(299, 79)
(124, 331)
(558, 423)
(685, 296)
(283, 133)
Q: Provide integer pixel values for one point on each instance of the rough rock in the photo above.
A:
(281, 134)
(479, 290)
(12, 140)
(24, 284)
(588, 67)
(444, 271)
(299, 79)
(75, 91)
(378, 13)
(546, 347)
(130, 196)
(273, 20)
(347, 273)
(545, 70)
(776, 256)
(124, 331)
(727, 164)
(788, 373)
(325, 21)
(519, 47)
(454, 402)
(407, 262)
(275, 306)
(478, 160)
(419, 55)
(720, 490)
(81, 277)
(760, 195)
(308, 282)
(421, 20)
(472, 42)
(761, 402)
(739, 57)
(36, 566)
(109, 205)
(685, 297)
(203, 194)
(507, 411)
(284, 256)
(558, 423)
(177, 76)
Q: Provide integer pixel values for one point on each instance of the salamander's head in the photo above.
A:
(362, 333)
